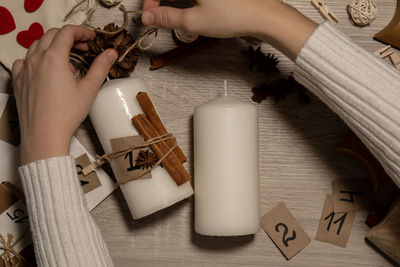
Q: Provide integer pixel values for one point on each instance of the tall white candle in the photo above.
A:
(111, 115)
(226, 179)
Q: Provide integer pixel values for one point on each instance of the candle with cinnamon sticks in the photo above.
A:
(111, 115)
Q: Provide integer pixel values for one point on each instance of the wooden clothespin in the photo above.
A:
(324, 11)
(381, 52)
(394, 57)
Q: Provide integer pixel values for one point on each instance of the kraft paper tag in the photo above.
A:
(15, 221)
(334, 227)
(14, 218)
(285, 231)
(90, 181)
(351, 195)
(125, 165)
(7, 198)
(9, 123)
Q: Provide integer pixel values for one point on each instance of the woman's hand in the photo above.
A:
(51, 102)
(269, 20)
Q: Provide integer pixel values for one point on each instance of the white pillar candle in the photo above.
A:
(226, 179)
(111, 115)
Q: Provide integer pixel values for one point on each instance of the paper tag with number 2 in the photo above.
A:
(285, 231)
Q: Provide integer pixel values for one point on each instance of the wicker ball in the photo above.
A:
(185, 37)
(362, 12)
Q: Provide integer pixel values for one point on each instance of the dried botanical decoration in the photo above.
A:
(120, 42)
(279, 89)
(261, 62)
(275, 84)
(146, 159)
(112, 36)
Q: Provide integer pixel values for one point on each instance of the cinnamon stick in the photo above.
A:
(151, 114)
(182, 51)
(171, 163)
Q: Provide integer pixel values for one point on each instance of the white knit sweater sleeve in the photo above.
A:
(362, 89)
(63, 232)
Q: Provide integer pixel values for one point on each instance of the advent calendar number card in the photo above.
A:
(334, 227)
(285, 231)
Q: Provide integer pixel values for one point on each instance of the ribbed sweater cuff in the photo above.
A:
(63, 232)
(362, 89)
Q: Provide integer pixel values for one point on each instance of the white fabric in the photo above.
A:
(63, 231)
(362, 89)
(50, 14)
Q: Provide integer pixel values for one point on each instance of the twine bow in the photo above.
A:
(108, 157)
(10, 257)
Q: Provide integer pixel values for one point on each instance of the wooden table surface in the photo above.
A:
(298, 160)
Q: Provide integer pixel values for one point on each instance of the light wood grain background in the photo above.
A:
(297, 157)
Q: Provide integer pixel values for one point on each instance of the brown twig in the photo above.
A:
(182, 51)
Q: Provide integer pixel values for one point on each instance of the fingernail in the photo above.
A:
(148, 18)
(112, 55)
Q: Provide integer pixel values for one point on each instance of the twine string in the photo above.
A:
(7, 245)
(101, 160)
(81, 63)
(139, 43)
(362, 12)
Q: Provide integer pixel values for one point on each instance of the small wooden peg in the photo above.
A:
(394, 57)
(382, 50)
(324, 11)
(385, 55)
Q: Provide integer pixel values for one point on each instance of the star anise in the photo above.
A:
(146, 159)
(261, 62)
(275, 84)
(120, 42)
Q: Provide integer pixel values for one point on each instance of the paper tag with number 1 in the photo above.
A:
(126, 165)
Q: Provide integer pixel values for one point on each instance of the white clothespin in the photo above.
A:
(324, 10)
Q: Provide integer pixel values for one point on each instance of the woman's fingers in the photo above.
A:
(47, 39)
(16, 69)
(32, 48)
(68, 35)
(81, 46)
(165, 17)
(99, 69)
